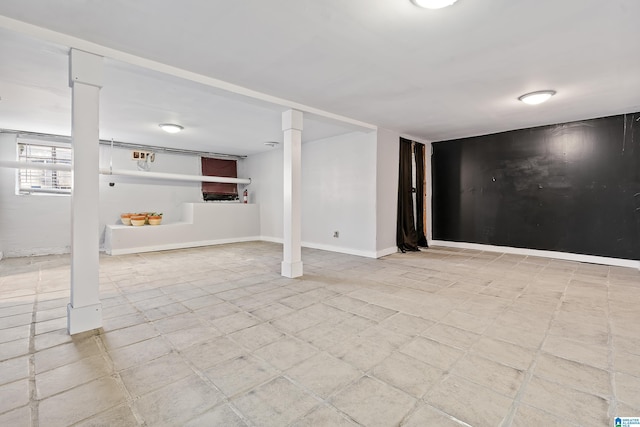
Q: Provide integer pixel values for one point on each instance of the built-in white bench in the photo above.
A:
(202, 224)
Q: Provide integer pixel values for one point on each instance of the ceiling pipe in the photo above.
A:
(40, 166)
(175, 176)
(126, 145)
(122, 172)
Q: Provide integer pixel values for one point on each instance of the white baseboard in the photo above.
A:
(37, 252)
(181, 245)
(368, 254)
(331, 248)
(618, 262)
(271, 239)
(387, 251)
(83, 319)
(339, 249)
(184, 245)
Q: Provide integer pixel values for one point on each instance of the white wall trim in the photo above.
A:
(60, 250)
(618, 262)
(182, 245)
(338, 249)
(387, 251)
(330, 248)
(271, 239)
(381, 253)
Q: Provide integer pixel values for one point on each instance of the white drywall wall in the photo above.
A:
(338, 185)
(30, 225)
(40, 224)
(387, 163)
(202, 224)
(266, 190)
(130, 194)
(338, 192)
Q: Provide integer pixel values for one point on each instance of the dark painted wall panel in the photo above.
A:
(572, 187)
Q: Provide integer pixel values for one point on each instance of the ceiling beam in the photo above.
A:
(107, 52)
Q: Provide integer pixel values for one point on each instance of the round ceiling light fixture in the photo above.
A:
(272, 144)
(170, 127)
(534, 98)
(433, 4)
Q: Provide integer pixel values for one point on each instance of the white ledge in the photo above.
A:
(202, 224)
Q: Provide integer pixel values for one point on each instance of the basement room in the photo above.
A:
(388, 213)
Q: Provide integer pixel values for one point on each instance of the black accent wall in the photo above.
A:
(572, 187)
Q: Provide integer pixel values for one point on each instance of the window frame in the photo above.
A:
(53, 183)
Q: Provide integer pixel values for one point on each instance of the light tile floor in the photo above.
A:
(215, 337)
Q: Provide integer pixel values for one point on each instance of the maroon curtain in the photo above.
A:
(219, 167)
(419, 153)
(406, 235)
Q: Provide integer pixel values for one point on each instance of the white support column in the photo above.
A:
(292, 253)
(84, 312)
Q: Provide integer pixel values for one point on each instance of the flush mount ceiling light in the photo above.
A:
(271, 144)
(170, 127)
(433, 4)
(538, 97)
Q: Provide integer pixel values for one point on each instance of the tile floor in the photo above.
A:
(215, 337)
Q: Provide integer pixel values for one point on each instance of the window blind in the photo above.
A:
(31, 181)
(219, 190)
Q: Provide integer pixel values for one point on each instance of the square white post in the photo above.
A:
(84, 311)
(292, 252)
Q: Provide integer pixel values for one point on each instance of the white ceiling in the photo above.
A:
(433, 75)
(133, 101)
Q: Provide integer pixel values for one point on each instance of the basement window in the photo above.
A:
(219, 191)
(38, 181)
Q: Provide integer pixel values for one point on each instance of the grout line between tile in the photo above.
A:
(509, 417)
(147, 281)
(33, 401)
(203, 377)
(115, 375)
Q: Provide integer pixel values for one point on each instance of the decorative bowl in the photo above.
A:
(125, 218)
(155, 220)
(138, 220)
